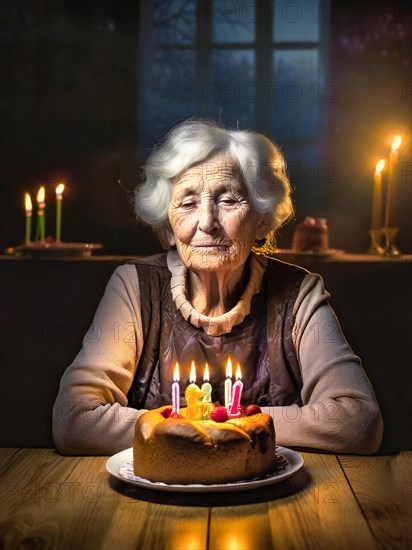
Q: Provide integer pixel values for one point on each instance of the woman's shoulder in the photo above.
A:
(274, 265)
(155, 261)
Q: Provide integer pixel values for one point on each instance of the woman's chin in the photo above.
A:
(212, 263)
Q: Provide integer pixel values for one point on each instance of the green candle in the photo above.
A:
(40, 221)
(28, 206)
(59, 198)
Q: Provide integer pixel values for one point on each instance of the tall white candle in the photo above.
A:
(376, 222)
(391, 196)
(228, 383)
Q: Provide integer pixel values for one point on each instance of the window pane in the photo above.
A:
(233, 21)
(231, 94)
(173, 22)
(296, 93)
(169, 93)
(296, 21)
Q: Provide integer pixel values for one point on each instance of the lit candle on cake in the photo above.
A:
(236, 393)
(28, 206)
(176, 390)
(207, 405)
(206, 387)
(59, 198)
(377, 196)
(40, 223)
(193, 396)
(228, 383)
(392, 184)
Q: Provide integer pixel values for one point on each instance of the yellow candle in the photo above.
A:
(59, 198)
(28, 207)
(377, 196)
(391, 196)
(193, 396)
(40, 221)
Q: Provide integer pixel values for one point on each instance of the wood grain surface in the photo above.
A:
(334, 502)
(383, 488)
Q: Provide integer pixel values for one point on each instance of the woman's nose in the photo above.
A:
(208, 219)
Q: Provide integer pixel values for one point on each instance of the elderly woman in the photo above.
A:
(215, 198)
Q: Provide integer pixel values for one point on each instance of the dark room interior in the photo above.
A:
(89, 89)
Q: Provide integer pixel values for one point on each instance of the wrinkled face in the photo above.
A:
(212, 220)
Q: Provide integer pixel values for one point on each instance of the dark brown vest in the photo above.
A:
(262, 343)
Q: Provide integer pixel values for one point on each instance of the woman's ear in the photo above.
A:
(263, 226)
(170, 236)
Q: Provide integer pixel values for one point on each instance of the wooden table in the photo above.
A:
(334, 502)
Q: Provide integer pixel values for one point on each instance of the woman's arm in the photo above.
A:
(340, 412)
(90, 415)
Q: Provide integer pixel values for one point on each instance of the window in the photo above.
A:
(255, 64)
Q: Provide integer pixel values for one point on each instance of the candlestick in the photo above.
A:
(228, 383)
(28, 207)
(392, 184)
(236, 393)
(193, 396)
(207, 405)
(176, 390)
(40, 221)
(59, 198)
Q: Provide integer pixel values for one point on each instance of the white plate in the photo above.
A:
(120, 465)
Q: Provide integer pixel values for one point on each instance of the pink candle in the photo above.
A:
(176, 390)
(236, 393)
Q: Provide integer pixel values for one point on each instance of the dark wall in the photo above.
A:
(370, 66)
(69, 111)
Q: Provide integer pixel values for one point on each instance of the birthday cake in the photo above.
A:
(219, 449)
(311, 236)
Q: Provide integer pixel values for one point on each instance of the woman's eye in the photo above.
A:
(227, 200)
(190, 203)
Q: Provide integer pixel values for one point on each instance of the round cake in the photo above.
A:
(184, 451)
(311, 236)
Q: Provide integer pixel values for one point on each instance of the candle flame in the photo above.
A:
(238, 374)
(176, 373)
(380, 165)
(192, 377)
(40, 194)
(59, 189)
(206, 373)
(27, 202)
(229, 368)
(396, 143)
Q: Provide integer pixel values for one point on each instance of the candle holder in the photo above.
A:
(375, 248)
(390, 249)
